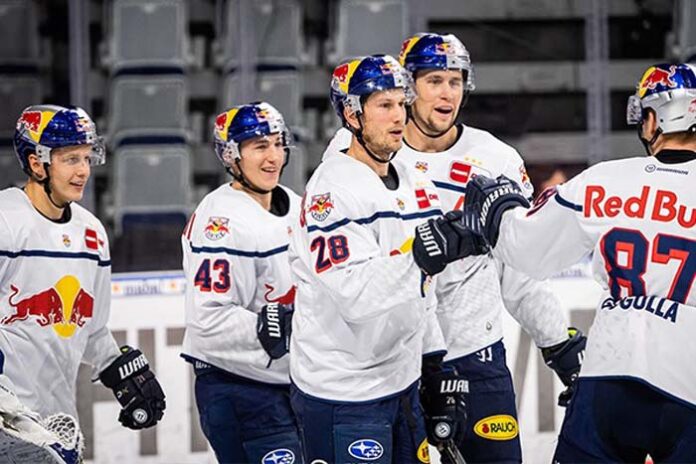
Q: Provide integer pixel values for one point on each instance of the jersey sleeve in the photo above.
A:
(6, 241)
(515, 169)
(433, 339)
(101, 349)
(534, 306)
(548, 237)
(346, 260)
(220, 287)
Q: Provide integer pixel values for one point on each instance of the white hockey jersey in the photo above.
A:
(472, 292)
(55, 296)
(638, 215)
(235, 262)
(364, 312)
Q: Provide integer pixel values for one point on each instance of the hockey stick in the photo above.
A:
(450, 451)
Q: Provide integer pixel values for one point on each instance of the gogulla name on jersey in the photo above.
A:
(660, 307)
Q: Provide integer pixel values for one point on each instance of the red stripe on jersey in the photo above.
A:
(91, 241)
(189, 227)
(460, 172)
(422, 199)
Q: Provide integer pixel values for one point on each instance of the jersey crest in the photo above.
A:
(321, 206)
(216, 227)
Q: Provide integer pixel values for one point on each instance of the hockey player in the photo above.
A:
(239, 293)
(635, 394)
(365, 310)
(55, 277)
(471, 293)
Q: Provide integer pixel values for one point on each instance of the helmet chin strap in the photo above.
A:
(46, 181)
(359, 136)
(647, 144)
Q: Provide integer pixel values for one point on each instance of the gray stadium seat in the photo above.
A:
(276, 36)
(151, 179)
(16, 93)
(148, 33)
(147, 106)
(282, 89)
(20, 27)
(10, 172)
(366, 27)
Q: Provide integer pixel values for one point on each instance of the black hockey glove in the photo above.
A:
(566, 359)
(274, 327)
(443, 397)
(441, 241)
(485, 202)
(136, 389)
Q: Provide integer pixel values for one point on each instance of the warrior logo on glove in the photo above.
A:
(136, 389)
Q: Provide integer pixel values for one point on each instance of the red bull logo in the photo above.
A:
(341, 73)
(65, 306)
(656, 76)
(263, 114)
(85, 125)
(287, 298)
(223, 121)
(387, 68)
(34, 123)
(216, 227)
(442, 48)
(406, 47)
(321, 206)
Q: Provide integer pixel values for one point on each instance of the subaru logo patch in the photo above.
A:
(366, 449)
(279, 456)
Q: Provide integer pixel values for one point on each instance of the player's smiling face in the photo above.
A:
(262, 160)
(440, 94)
(69, 172)
(384, 119)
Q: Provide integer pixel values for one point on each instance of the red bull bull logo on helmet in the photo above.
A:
(223, 121)
(34, 123)
(443, 48)
(65, 307)
(655, 76)
(321, 206)
(342, 74)
(216, 227)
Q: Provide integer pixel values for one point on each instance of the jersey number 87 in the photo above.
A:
(629, 273)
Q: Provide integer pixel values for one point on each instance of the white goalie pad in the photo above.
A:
(26, 438)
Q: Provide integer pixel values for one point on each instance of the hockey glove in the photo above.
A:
(443, 397)
(566, 359)
(273, 329)
(136, 389)
(485, 202)
(441, 241)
